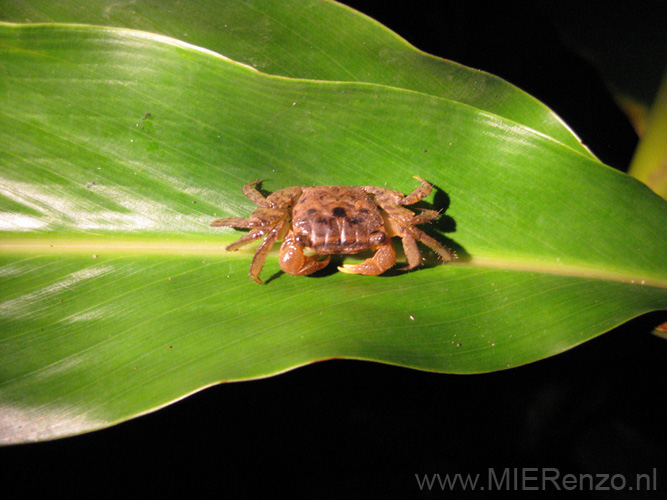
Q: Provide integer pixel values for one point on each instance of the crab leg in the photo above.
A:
(383, 259)
(411, 252)
(410, 235)
(293, 261)
(418, 194)
(263, 250)
(264, 221)
(255, 196)
(234, 222)
(244, 240)
(424, 216)
(420, 235)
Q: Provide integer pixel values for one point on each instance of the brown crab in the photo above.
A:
(329, 220)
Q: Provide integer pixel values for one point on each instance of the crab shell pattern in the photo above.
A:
(327, 220)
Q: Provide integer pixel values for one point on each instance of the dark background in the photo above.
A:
(360, 430)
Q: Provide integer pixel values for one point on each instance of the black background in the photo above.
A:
(361, 430)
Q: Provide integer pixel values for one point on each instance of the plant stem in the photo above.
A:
(649, 164)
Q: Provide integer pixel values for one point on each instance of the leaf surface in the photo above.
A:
(308, 39)
(117, 149)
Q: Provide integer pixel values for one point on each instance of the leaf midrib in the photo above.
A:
(200, 246)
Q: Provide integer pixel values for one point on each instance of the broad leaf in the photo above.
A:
(117, 149)
(312, 39)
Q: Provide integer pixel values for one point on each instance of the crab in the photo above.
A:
(326, 220)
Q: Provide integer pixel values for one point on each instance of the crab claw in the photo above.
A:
(293, 261)
(383, 259)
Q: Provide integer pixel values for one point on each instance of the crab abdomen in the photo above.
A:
(336, 220)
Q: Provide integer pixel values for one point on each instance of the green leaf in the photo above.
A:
(117, 149)
(311, 39)
(649, 163)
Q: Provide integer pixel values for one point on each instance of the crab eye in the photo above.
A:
(301, 239)
(376, 238)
